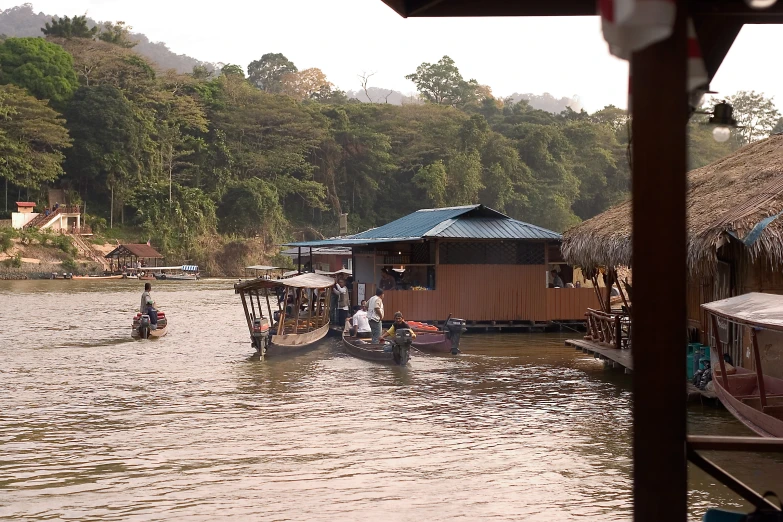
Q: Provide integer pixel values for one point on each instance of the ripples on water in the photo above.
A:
(94, 425)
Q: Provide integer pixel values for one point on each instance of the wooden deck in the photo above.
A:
(618, 358)
(623, 359)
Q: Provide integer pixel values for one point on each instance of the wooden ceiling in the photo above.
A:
(717, 22)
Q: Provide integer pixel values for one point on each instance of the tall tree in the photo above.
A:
(441, 83)
(65, 27)
(306, 84)
(41, 67)
(267, 72)
(117, 34)
(32, 139)
(432, 180)
(755, 113)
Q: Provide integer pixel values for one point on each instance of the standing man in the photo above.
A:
(375, 314)
(148, 304)
(343, 301)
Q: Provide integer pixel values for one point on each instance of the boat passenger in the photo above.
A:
(148, 304)
(399, 323)
(375, 315)
(557, 281)
(360, 324)
(343, 300)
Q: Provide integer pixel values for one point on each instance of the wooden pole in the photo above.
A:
(719, 349)
(111, 209)
(269, 305)
(660, 111)
(247, 315)
(310, 305)
(759, 373)
(298, 302)
(281, 325)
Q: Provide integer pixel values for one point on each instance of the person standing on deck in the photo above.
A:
(557, 281)
(343, 301)
(333, 303)
(375, 306)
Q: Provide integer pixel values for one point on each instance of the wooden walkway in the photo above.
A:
(618, 358)
(623, 359)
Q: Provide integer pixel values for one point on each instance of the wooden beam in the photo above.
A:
(659, 118)
(713, 443)
(450, 8)
(759, 373)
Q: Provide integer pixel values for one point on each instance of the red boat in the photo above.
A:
(752, 397)
(430, 339)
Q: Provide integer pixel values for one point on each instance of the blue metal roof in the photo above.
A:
(495, 228)
(467, 222)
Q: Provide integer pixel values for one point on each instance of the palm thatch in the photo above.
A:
(726, 200)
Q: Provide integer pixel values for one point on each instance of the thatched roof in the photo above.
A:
(726, 201)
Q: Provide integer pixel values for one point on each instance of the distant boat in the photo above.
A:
(174, 273)
(752, 397)
(286, 315)
(91, 277)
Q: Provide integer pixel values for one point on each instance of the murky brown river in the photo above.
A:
(95, 426)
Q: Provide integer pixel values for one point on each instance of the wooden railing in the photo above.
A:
(613, 330)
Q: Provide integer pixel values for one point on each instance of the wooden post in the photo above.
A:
(311, 304)
(281, 325)
(247, 315)
(252, 306)
(618, 333)
(299, 261)
(759, 373)
(659, 106)
(269, 306)
(719, 349)
(298, 303)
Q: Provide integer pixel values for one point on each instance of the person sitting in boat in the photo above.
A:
(399, 323)
(148, 304)
(360, 324)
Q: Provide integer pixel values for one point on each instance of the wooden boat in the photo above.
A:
(141, 329)
(367, 350)
(298, 318)
(97, 277)
(432, 340)
(174, 273)
(751, 396)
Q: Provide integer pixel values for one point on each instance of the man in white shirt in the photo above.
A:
(360, 324)
(343, 301)
(375, 313)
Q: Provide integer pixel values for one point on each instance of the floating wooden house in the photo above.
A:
(734, 241)
(470, 261)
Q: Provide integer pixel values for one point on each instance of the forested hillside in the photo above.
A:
(280, 153)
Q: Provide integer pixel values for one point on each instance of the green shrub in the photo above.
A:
(16, 261)
(69, 265)
(6, 238)
(97, 224)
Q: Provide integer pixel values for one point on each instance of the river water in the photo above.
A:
(95, 426)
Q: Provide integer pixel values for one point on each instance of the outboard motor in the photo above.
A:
(454, 330)
(401, 345)
(144, 326)
(260, 334)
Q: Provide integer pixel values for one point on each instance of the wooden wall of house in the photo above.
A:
(501, 293)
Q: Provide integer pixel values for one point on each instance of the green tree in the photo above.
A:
(464, 178)
(755, 113)
(117, 34)
(441, 83)
(231, 69)
(41, 67)
(432, 180)
(65, 27)
(32, 139)
(267, 72)
(252, 208)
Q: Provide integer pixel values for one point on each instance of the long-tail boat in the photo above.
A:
(754, 398)
(433, 340)
(399, 353)
(286, 315)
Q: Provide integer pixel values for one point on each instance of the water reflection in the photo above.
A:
(94, 425)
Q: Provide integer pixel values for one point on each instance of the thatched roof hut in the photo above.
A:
(734, 201)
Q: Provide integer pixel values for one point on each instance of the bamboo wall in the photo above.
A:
(500, 293)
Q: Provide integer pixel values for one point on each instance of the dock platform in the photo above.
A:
(617, 358)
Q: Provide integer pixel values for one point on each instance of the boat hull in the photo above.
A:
(91, 278)
(372, 352)
(291, 343)
(761, 423)
(432, 342)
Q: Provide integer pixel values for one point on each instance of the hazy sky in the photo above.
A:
(562, 56)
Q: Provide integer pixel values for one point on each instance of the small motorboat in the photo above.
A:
(432, 340)
(369, 351)
(96, 277)
(142, 327)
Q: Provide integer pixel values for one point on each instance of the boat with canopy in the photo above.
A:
(286, 315)
(754, 323)
(174, 273)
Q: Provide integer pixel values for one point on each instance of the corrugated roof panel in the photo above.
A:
(414, 225)
(495, 228)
